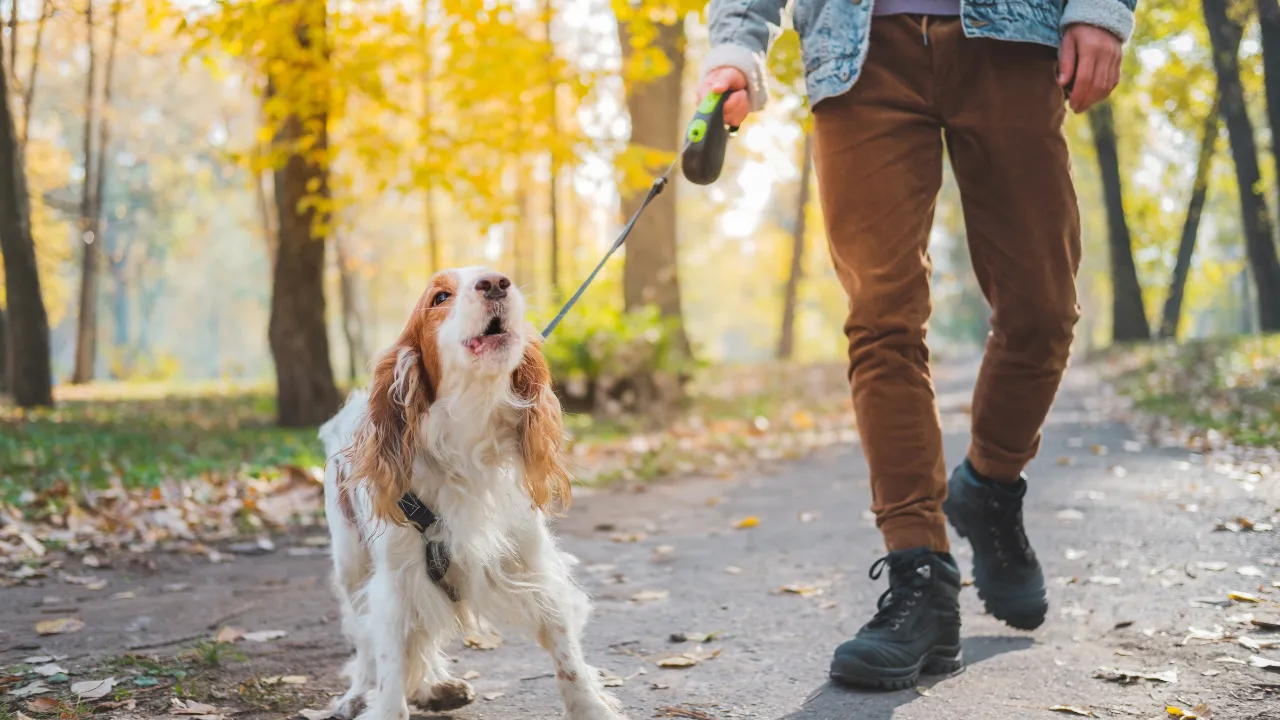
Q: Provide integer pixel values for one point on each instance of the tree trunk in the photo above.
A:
(13, 40)
(30, 370)
(1269, 37)
(1224, 36)
(1128, 315)
(428, 186)
(650, 271)
(267, 220)
(5, 382)
(1190, 227)
(553, 159)
(86, 321)
(786, 338)
(29, 89)
(305, 390)
(352, 328)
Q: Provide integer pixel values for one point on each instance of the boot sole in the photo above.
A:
(1019, 618)
(939, 661)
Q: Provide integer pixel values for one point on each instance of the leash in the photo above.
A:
(703, 156)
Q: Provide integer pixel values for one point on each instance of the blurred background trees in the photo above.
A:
(257, 190)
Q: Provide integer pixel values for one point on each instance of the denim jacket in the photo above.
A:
(834, 33)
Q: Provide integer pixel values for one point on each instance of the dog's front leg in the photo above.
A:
(561, 615)
(389, 621)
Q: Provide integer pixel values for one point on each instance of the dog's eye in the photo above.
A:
(440, 297)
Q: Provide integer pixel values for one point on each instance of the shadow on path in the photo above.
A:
(832, 702)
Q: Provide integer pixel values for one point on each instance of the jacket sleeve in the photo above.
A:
(1115, 16)
(742, 31)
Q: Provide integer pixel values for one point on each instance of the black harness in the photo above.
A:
(421, 517)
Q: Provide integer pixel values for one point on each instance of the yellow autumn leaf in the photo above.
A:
(59, 626)
(749, 521)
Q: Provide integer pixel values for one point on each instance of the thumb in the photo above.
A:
(1067, 59)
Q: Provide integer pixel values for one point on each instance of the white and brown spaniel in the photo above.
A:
(437, 489)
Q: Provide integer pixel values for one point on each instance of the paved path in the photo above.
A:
(1121, 517)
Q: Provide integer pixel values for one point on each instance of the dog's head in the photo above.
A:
(467, 331)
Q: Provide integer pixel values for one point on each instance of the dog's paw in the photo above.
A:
(346, 707)
(385, 711)
(448, 695)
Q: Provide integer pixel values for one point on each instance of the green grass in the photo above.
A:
(144, 434)
(88, 440)
(1230, 386)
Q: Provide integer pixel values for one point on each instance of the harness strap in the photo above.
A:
(421, 517)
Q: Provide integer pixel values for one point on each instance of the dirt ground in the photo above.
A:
(1126, 531)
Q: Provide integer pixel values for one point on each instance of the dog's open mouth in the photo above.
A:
(494, 335)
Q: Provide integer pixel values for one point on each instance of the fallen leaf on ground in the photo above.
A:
(1195, 633)
(1230, 660)
(923, 691)
(1265, 663)
(265, 635)
(677, 662)
(59, 626)
(1211, 673)
(93, 689)
(175, 587)
(470, 675)
(1098, 450)
(628, 537)
(808, 517)
(1072, 710)
(228, 635)
(294, 679)
(749, 521)
(1243, 597)
(1249, 571)
(1256, 644)
(92, 561)
(800, 589)
(693, 637)
(316, 714)
(1066, 461)
(48, 669)
(733, 570)
(646, 596)
(1070, 514)
(493, 695)
(1072, 554)
(36, 688)
(126, 595)
(191, 707)
(483, 642)
(1212, 566)
(611, 680)
(1104, 580)
(97, 585)
(45, 705)
(1126, 677)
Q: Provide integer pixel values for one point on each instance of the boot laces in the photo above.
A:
(906, 587)
(1008, 534)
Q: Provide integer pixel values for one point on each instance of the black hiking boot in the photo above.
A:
(916, 628)
(1005, 569)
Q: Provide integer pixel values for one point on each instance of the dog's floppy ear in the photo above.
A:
(542, 441)
(382, 454)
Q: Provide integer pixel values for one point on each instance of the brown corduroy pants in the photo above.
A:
(878, 155)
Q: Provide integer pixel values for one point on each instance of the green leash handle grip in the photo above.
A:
(705, 140)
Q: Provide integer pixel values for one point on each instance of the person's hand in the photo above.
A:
(1089, 64)
(723, 80)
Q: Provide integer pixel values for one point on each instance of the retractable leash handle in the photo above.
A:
(705, 140)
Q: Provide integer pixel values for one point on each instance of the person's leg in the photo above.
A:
(1004, 113)
(878, 154)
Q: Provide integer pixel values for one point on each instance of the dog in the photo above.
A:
(440, 480)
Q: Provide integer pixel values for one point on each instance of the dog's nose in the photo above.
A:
(493, 286)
